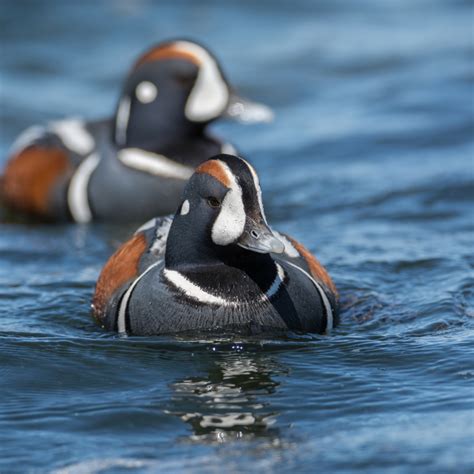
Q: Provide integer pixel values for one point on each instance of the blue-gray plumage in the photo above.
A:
(135, 165)
(215, 266)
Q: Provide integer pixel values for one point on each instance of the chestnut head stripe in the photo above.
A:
(168, 51)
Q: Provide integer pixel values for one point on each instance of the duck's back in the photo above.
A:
(132, 184)
(42, 162)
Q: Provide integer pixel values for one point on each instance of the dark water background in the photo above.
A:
(370, 163)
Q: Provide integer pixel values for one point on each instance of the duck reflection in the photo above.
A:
(231, 401)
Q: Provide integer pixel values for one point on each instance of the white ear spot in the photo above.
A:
(210, 94)
(146, 92)
(185, 208)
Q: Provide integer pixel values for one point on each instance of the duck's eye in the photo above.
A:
(185, 79)
(213, 202)
(146, 92)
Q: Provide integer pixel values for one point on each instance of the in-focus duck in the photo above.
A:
(215, 267)
(134, 166)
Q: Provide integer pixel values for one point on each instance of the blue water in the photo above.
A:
(370, 163)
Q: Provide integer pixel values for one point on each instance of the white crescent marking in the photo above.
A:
(230, 222)
(126, 297)
(77, 197)
(121, 121)
(210, 94)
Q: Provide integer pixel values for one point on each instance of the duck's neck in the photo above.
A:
(199, 258)
(156, 135)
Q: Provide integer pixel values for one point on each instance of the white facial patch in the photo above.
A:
(210, 94)
(146, 92)
(230, 222)
(256, 183)
(185, 208)
(121, 122)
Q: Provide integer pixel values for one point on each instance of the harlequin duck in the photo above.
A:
(215, 267)
(134, 166)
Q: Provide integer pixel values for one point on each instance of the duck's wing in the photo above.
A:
(40, 164)
(33, 178)
(297, 255)
(145, 249)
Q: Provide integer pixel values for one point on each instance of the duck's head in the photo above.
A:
(221, 213)
(175, 89)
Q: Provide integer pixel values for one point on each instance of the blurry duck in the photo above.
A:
(134, 166)
(215, 267)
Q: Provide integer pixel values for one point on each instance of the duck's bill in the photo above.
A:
(246, 111)
(260, 238)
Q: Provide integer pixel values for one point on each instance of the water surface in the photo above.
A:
(369, 163)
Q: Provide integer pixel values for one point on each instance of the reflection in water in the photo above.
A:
(231, 400)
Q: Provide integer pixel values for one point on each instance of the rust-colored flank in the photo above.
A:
(317, 271)
(170, 51)
(120, 268)
(30, 177)
(215, 169)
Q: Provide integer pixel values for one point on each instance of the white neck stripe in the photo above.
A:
(322, 294)
(77, 195)
(195, 292)
(277, 282)
(121, 326)
(152, 163)
(256, 183)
